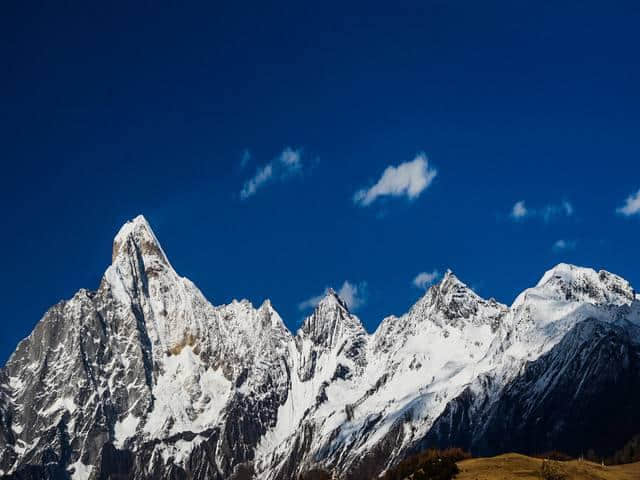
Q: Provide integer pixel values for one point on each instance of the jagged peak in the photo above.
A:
(448, 286)
(450, 279)
(139, 232)
(266, 304)
(331, 299)
(330, 316)
(251, 317)
(564, 271)
(137, 253)
(268, 308)
(570, 273)
(276, 320)
(453, 300)
(136, 223)
(573, 282)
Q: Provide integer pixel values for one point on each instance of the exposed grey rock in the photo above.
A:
(145, 379)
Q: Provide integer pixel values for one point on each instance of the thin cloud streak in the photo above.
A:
(520, 211)
(245, 158)
(287, 163)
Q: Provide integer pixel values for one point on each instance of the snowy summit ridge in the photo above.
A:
(145, 378)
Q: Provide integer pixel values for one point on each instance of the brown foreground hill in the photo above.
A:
(512, 466)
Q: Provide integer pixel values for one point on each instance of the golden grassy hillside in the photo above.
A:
(512, 466)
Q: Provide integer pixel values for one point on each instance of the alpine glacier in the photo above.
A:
(144, 378)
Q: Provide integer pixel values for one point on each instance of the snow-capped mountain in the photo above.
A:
(145, 378)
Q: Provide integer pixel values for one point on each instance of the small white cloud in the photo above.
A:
(310, 302)
(354, 295)
(291, 158)
(519, 210)
(425, 279)
(631, 205)
(288, 162)
(562, 245)
(408, 179)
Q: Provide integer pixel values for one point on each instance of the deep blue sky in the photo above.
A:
(110, 111)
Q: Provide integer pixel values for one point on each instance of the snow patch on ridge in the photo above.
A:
(124, 429)
(189, 395)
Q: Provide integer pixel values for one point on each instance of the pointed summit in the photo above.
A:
(136, 257)
(456, 304)
(330, 328)
(331, 299)
(331, 320)
(449, 286)
(136, 236)
(449, 280)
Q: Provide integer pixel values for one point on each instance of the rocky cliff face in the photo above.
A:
(144, 378)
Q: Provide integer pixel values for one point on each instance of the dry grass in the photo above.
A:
(512, 466)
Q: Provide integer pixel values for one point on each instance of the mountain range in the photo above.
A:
(144, 378)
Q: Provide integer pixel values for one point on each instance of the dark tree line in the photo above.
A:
(630, 453)
(427, 465)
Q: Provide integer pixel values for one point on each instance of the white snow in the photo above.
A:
(79, 471)
(177, 452)
(58, 405)
(429, 358)
(408, 369)
(125, 429)
(118, 289)
(189, 395)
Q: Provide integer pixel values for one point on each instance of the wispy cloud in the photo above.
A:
(425, 279)
(245, 158)
(311, 302)
(353, 294)
(262, 176)
(551, 211)
(521, 211)
(408, 179)
(287, 163)
(563, 245)
(631, 205)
